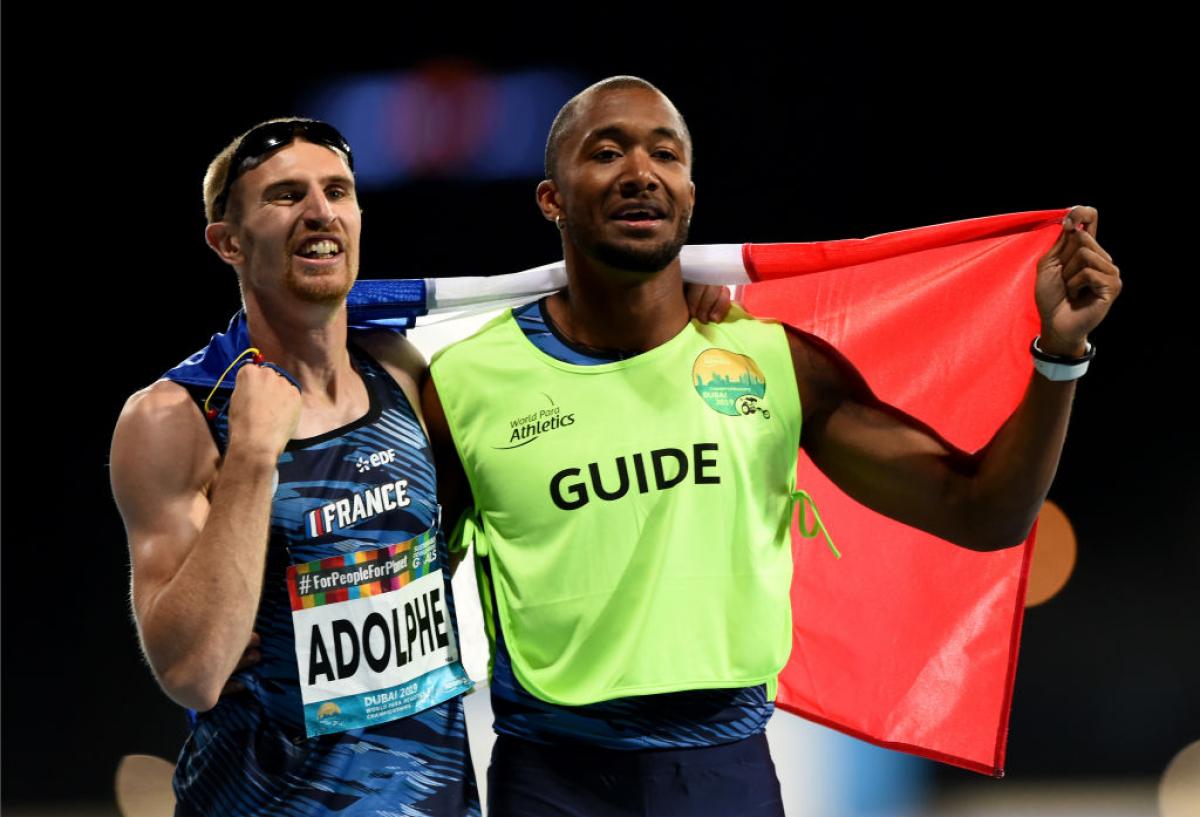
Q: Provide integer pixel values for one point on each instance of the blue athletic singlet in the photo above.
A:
(678, 720)
(249, 755)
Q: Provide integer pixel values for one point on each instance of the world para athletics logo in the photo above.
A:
(730, 383)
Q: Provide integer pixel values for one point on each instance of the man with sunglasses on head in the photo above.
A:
(313, 475)
(296, 513)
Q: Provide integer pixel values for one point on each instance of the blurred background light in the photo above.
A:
(446, 120)
(1053, 555)
(143, 786)
(1179, 791)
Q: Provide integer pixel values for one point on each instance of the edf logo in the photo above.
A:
(375, 460)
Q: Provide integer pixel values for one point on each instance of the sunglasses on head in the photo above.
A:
(273, 135)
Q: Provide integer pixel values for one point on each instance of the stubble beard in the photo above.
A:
(322, 290)
(318, 290)
(634, 257)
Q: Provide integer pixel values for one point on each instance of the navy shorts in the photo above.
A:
(536, 780)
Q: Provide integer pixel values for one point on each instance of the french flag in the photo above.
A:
(938, 320)
(316, 524)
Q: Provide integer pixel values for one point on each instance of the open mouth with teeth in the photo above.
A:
(639, 215)
(639, 220)
(320, 249)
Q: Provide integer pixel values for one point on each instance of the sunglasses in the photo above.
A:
(273, 135)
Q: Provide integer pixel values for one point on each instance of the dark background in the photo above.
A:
(823, 133)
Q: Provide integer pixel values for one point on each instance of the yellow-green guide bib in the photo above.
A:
(635, 514)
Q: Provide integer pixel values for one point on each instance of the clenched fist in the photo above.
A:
(1077, 283)
(263, 412)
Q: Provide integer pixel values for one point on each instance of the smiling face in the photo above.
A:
(623, 185)
(298, 226)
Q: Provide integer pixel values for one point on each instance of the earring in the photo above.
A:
(558, 221)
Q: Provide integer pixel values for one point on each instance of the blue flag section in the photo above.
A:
(392, 304)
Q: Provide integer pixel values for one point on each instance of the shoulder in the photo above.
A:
(162, 409)
(739, 320)
(472, 337)
(753, 334)
(400, 358)
(825, 378)
(162, 441)
(394, 352)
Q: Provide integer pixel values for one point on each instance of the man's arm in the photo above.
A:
(198, 527)
(454, 491)
(901, 468)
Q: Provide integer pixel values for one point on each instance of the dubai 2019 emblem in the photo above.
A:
(730, 383)
(328, 714)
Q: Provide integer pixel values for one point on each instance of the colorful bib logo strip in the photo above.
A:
(730, 383)
(374, 639)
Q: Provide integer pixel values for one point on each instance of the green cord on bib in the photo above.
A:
(802, 498)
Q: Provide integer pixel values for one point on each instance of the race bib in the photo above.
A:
(374, 637)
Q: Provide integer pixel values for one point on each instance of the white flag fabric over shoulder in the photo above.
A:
(402, 303)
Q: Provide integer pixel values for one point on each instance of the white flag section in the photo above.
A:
(449, 298)
(716, 264)
(460, 306)
(437, 331)
(453, 298)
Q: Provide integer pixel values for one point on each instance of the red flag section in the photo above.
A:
(910, 642)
